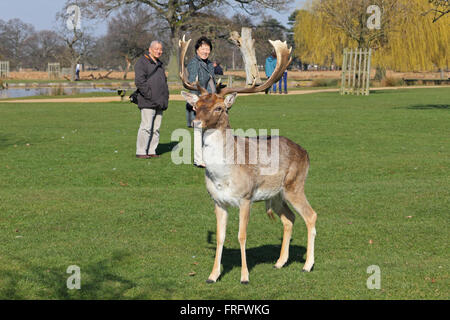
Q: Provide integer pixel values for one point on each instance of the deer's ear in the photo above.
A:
(229, 100)
(190, 97)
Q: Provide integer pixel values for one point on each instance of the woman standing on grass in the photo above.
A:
(202, 70)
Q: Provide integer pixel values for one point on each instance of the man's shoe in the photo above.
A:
(154, 155)
(143, 156)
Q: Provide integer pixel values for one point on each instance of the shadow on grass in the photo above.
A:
(429, 106)
(388, 91)
(231, 258)
(98, 281)
(165, 147)
(7, 140)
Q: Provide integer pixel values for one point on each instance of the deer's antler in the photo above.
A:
(283, 61)
(183, 44)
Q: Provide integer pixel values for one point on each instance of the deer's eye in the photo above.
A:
(218, 109)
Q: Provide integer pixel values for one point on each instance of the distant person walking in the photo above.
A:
(153, 99)
(77, 72)
(271, 63)
(200, 69)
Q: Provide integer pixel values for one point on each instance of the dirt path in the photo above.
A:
(178, 97)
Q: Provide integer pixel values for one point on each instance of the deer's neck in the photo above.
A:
(218, 144)
(216, 138)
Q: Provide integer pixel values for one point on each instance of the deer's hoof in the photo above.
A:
(306, 270)
(244, 282)
(210, 281)
(279, 265)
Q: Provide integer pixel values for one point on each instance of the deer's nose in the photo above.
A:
(197, 123)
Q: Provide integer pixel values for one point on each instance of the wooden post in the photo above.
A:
(344, 69)
(364, 73)
(358, 87)
(355, 58)
(230, 81)
(368, 73)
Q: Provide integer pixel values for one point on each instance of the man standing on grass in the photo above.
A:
(153, 99)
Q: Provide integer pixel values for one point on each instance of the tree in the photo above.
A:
(291, 40)
(13, 35)
(290, 31)
(129, 35)
(417, 44)
(41, 48)
(440, 8)
(316, 41)
(78, 42)
(406, 42)
(350, 16)
(269, 28)
(2, 47)
(175, 13)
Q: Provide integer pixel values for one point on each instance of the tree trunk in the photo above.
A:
(172, 66)
(380, 73)
(73, 66)
(127, 69)
(247, 46)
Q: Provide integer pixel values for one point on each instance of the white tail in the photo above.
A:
(239, 183)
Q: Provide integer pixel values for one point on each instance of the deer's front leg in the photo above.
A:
(244, 215)
(221, 217)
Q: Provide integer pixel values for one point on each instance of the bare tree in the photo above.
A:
(41, 48)
(129, 35)
(175, 13)
(13, 35)
(2, 46)
(78, 42)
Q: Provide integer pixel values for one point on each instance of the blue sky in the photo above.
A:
(41, 13)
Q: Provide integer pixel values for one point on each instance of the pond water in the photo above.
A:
(47, 91)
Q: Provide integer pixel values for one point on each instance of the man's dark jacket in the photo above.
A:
(153, 91)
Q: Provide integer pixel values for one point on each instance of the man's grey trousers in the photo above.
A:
(148, 134)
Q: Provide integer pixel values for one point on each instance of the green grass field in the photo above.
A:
(72, 193)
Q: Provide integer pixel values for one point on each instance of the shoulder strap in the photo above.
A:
(154, 70)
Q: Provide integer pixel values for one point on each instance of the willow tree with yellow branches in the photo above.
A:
(418, 44)
(406, 41)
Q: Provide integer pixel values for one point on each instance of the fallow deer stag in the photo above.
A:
(239, 184)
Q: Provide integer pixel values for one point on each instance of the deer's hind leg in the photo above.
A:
(287, 218)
